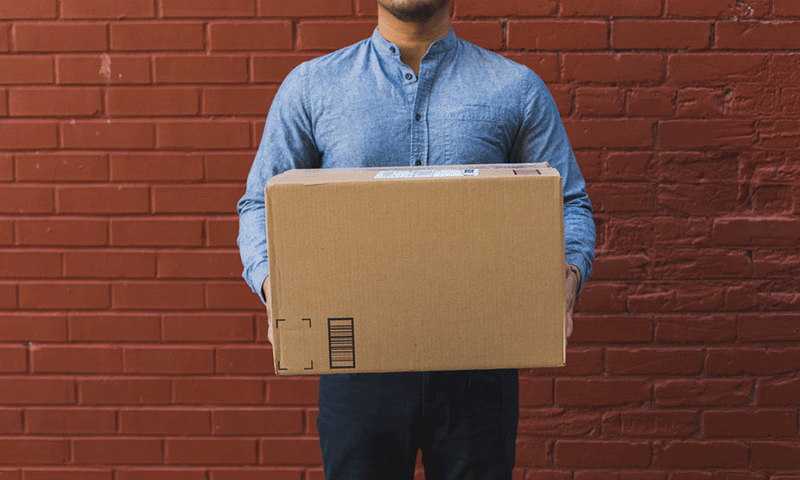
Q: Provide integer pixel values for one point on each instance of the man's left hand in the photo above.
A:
(573, 282)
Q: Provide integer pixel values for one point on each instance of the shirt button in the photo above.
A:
(418, 163)
(418, 116)
(409, 76)
(391, 49)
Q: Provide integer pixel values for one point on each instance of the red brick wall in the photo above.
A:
(130, 348)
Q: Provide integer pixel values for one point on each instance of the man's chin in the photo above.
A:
(415, 13)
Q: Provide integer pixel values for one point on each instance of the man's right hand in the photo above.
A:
(268, 296)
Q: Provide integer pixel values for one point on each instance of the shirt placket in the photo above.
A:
(419, 112)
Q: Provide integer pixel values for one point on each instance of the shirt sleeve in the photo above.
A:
(542, 138)
(287, 143)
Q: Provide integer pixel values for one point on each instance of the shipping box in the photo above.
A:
(417, 268)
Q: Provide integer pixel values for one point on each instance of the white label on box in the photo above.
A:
(472, 172)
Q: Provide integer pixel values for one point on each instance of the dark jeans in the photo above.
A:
(464, 422)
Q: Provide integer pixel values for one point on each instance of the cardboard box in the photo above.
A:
(417, 268)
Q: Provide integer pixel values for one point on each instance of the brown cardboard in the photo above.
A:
(416, 268)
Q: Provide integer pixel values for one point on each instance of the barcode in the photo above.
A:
(341, 341)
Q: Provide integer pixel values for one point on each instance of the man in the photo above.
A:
(414, 94)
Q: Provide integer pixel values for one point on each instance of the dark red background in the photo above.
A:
(130, 348)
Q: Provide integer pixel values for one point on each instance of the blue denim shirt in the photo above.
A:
(362, 107)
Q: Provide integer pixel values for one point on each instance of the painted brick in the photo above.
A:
(101, 70)
(120, 9)
(603, 454)
(611, 8)
(700, 454)
(4, 30)
(786, 8)
(72, 421)
(232, 296)
(238, 100)
(63, 473)
(697, 68)
(245, 361)
(775, 455)
(309, 8)
(164, 422)
(649, 423)
(114, 327)
(701, 102)
(748, 231)
(238, 36)
(758, 35)
(747, 423)
(292, 392)
(10, 422)
(37, 391)
(560, 35)
(6, 168)
(328, 35)
(199, 265)
(290, 451)
(197, 199)
(654, 361)
(39, 9)
(29, 451)
(62, 232)
(102, 199)
(152, 101)
(660, 35)
(42, 167)
(601, 133)
(64, 296)
(26, 70)
(702, 9)
(207, 8)
(187, 360)
(148, 37)
(29, 135)
(600, 392)
(94, 135)
(599, 102)
(13, 359)
(157, 296)
(60, 37)
(485, 34)
(156, 232)
(696, 329)
(223, 391)
(651, 102)
(676, 134)
(274, 68)
(258, 422)
(612, 68)
(128, 391)
(117, 451)
(686, 392)
(598, 329)
(100, 264)
(205, 69)
(28, 327)
(208, 328)
(154, 168)
(558, 422)
(521, 8)
(75, 359)
(162, 473)
(30, 264)
(545, 65)
(222, 167)
(220, 135)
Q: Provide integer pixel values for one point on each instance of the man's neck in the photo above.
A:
(413, 39)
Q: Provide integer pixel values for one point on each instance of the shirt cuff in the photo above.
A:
(257, 277)
(578, 260)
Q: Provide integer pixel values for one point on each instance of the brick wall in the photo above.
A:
(130, 348)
